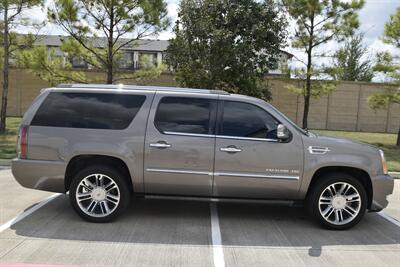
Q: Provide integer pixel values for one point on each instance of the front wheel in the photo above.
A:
(338, 201)
(99, 193)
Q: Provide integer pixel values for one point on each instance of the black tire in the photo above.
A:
(318, 189)
(122, 190)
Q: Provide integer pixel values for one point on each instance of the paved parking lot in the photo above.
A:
(187, 233)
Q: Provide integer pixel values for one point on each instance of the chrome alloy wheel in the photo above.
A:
(339, 203)
(97, 195)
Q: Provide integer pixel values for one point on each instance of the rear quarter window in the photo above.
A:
(88, 110)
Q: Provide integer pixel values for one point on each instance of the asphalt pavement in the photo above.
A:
(40, 228)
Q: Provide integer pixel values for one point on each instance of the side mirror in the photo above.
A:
(282, 132)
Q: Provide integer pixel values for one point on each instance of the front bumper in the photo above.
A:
(382, 186)
(40, 174)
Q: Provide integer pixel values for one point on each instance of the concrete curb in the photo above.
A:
(5, 162)
(395, 175)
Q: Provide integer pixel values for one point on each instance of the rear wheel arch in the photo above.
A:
(79, 162)
(361, 175)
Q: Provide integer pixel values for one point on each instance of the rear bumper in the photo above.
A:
(40, 174)
(382, 186)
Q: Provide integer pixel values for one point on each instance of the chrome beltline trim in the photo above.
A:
(233, 174)
(190, 134)
(223, 136)
(248, 138)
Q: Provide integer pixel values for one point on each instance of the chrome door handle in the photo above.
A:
(160, 145)
(230, 149)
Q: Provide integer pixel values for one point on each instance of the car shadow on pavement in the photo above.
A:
(273, 226)
(155, 221)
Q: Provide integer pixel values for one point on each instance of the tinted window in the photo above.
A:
(185, 115)
(88, 110)
(246, 120)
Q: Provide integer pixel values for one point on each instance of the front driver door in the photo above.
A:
(249, 160)
(179, 146)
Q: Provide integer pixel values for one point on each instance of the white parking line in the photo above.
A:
(27, 212)
(218, 252)
(389, 218)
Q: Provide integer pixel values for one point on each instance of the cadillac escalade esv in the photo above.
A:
(105, 143)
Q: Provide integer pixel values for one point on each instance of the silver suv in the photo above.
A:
(104, 143)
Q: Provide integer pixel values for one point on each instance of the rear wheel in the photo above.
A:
(338, 201)
(99, 193)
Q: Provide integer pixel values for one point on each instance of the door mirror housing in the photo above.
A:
(282, 132)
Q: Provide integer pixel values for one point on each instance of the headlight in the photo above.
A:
(384, 164)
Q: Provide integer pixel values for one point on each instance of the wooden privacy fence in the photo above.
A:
(346, 108)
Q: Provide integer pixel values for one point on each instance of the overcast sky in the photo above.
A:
(372, 18)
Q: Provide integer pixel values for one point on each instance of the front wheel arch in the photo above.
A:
(361, 175)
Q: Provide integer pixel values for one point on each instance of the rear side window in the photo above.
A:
(88, 110)
(186, 115)
(247, 120)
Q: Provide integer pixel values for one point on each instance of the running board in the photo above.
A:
(229, 200)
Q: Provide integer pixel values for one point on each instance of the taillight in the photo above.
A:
(23, 141)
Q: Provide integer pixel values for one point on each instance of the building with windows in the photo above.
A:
(133, 53)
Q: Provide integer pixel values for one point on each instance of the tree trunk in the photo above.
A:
(307, 91)
(307, 101)
(5, 72)
(110, 46)
(109, 74)
(398, 138)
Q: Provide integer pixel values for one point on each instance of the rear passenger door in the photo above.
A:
(179, 146)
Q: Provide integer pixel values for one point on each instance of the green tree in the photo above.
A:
(318, 22)
(98, 32)
(391, 33)
(351, 63)
(229, 45)
(389, 65)
(12, 43)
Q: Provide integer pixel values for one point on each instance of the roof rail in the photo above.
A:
(140, 87)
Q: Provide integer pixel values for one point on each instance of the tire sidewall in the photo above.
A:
(118, 179)
(322, 184)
